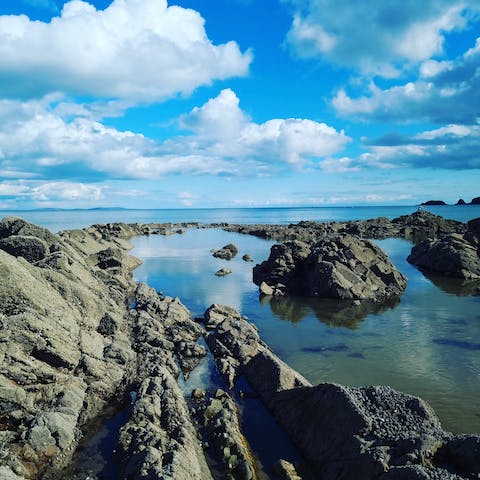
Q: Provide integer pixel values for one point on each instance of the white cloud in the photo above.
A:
(36, 138)
(137, 50)
(445, 93)
(375, 37)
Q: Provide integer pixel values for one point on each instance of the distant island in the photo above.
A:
(461, 201)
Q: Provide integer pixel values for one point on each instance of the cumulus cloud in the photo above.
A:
(446, 92)
(449, 147)
(38, 139)
(136, 50)
(376, 37)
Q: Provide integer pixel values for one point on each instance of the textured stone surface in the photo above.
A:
(344, 267)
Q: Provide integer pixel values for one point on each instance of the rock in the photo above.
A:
(159, 440)
(461, 201)
(475, 201)
(227, 252)
(220, 418)
(31, 248)
(284, 470)
(198, 394)
(346, 432)
(223, 272)
(434, 202)
(266, 289)
(343, 267)
(452, 255)
(247, 258)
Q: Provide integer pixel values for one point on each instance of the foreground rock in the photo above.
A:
(348, 433)
(221, 426)
(70, 347)
(452, 255)
(344, 267)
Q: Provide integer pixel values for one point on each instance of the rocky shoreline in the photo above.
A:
(77, 335)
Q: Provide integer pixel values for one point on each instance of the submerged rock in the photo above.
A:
(344, 432)
(452, 255)
(344, 267)
(227, 252)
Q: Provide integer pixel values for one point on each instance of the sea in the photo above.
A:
(427, 343)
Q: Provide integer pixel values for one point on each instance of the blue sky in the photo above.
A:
(233, 103)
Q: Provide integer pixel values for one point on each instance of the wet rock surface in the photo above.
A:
(349, 433)
(454, 255)
(343, 267)
(219, 417)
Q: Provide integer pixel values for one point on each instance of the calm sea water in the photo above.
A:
(427, 344)
(57, 220)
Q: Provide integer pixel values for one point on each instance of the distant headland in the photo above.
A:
(461, 201)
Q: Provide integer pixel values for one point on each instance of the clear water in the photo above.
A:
(57, 220)
(428, 344)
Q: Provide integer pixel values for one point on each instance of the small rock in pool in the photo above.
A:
(247, 258)
(222, 272)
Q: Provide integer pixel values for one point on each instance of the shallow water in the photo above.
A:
(426, 344)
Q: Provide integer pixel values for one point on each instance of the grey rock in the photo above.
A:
(227, 252)
(247, 258)
(453, 255)
(284, 470)
(344, 267)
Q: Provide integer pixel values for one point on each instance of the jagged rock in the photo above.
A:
(223, 272)
(159, 441)
(452, 255)
(227, 252)
(220, 417)
(346, 432)
(343, 267)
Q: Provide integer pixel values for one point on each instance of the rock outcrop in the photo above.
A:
(348, 433)
(433, 202)
(343, 267)
(416, 227)
(452, 255)
(70, 347)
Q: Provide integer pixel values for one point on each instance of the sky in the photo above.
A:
(238, 103)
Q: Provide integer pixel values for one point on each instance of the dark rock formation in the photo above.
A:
(227, 252)
(452, 255)
(434, 202)
(247, 258)
(475, 201)
(461, 201)
(344, 267)
(416, 227)
(348, 433)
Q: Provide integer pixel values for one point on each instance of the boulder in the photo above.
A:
(227, 252)
(247, 258)
(343, 267)
(452, 255)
